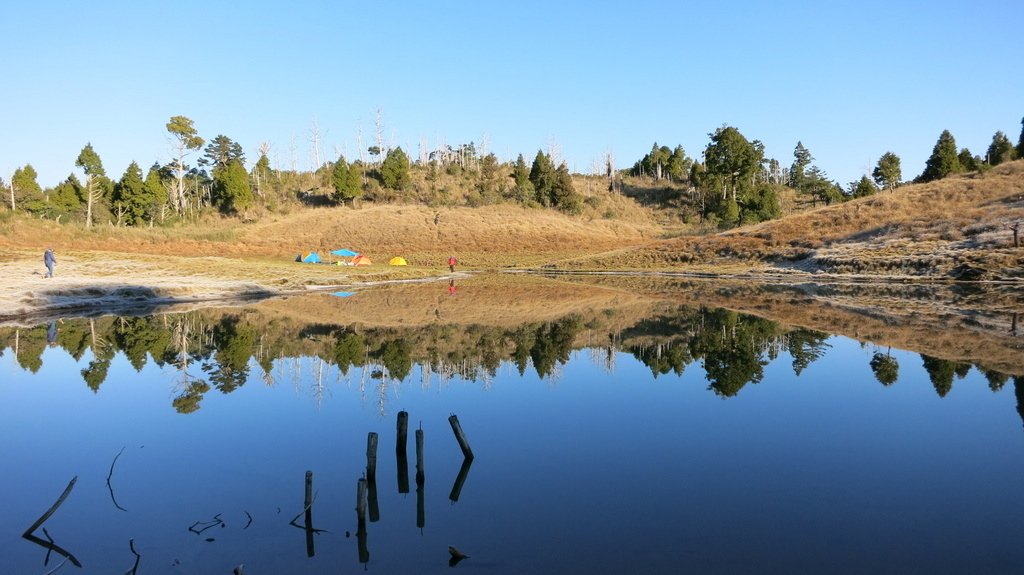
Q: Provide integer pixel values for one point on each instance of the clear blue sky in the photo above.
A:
(851, 80)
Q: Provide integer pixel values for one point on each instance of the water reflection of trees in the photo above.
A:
(217, 350)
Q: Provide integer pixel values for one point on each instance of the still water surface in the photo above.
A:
(698, 441)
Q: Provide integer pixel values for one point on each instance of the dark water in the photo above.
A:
(697, 440)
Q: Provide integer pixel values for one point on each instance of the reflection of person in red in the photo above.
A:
(451, 263)
(451, 287)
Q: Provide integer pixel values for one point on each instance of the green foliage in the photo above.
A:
(1020, 141)
(887, 173)
(181, 129)
(220, 152)
(90, 162)
(396, 356)
(885, 368)
(66, 198)
(862, 188)
(27, 192)
(349, 350)
(801, 161)
(394, 170)
(761, 204)
(231, 191)
(542, 178)
(663, 162)
(969, 162)
(156, 192)
(346, 181)
(731, 166)
(944, 160)
(130, 196)
(941, 372)
(1000, 150)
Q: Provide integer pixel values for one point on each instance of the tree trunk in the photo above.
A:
(88, 201)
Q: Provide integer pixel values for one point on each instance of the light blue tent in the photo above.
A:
(311, 258)
(345, 253)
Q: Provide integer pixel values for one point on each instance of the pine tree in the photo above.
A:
(521, 177)
(27, 191)
(346, 181)
(943, 161)
(1020, 141)
(863, 188)
(130, 196)
(220, 152)
(802, 158)
(888, 173)
(1000, 150)
(394, 170)
(542, 177)
(95, 186)
(968, 161)
(231, 191)
(156, 193)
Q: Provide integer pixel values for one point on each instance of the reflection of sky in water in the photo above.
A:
(586, 471)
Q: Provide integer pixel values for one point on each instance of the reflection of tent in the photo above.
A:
(398, 261)
(361, 261)
(347, 253)
(343, 293)
(310, 258)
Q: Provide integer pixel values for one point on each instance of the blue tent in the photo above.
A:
(345, 253)
(311, 258)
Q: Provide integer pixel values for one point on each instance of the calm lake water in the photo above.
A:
(680, 440)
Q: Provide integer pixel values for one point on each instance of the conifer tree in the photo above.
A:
(863, 188)
(95, 185)
(542, 177)
(27, 191)
(156, 193)
(1000, 150)
(231, 190)
(943, 161)
(521, 177)
(394, 170)
(1020, 141)
(801, 161)
(346, 181)
(887, 173)
(130, 196)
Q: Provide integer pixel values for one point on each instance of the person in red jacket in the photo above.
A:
(451, 263)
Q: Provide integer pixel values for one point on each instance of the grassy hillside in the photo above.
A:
(939, 229)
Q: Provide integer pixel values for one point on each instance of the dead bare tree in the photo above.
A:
(314, 141)
(379, 125)
(1015, 228)
(12, 193)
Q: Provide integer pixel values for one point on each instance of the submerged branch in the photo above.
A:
(50, 545)
(111, 474)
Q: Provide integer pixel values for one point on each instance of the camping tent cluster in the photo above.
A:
(358, 259)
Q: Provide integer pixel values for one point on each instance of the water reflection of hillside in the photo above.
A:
(224, 349)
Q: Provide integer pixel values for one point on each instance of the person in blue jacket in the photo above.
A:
(50, 260)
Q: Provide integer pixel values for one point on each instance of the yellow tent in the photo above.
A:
(398, 261)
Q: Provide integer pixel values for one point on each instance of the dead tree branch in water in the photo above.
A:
(111, 474)
(50, 545)
(135, 568)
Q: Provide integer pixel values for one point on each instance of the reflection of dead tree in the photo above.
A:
(50, 545)
(318, 387)
(206, 524)
(135, 568)
(110, 487)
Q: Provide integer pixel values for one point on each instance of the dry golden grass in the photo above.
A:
(918, 230)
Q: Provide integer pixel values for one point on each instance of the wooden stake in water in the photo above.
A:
(403, 431)
(371, 456)
(460, 437)
(419, 457)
